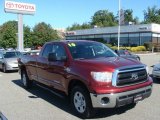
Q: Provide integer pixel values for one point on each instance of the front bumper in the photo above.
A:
(11, 67)
(120, 99)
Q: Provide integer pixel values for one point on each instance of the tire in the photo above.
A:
(4, 68)
(81, 102)
(25, 80)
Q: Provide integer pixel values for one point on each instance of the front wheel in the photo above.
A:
(81, 102)
(25, 80)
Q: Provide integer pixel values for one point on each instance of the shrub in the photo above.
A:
(132, 49)
(148, 46)
(108, 45)
(114, 47)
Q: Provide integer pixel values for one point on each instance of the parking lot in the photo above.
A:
(16, 103)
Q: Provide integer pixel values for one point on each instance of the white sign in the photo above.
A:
(17, 7)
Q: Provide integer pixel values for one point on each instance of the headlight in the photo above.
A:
(102, 76)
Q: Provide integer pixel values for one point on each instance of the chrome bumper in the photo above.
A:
(120, 99)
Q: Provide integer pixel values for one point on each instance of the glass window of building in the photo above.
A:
(106, 38)
(145, 38)
(134, 39)
(114, 39)
(124, 41)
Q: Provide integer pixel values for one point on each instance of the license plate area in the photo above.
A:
(138, 98)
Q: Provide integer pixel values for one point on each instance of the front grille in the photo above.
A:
(131, 76)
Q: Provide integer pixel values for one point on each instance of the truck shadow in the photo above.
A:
(63, 104)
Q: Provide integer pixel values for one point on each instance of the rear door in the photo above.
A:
(42, 65)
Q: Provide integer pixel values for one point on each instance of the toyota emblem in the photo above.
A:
(134, 76)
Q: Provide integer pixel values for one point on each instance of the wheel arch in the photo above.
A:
(76, 82)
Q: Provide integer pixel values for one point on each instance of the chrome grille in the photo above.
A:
(129, 76)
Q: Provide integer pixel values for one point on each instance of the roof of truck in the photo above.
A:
(70, 41)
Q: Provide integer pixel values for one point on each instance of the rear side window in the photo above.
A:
(48, 49)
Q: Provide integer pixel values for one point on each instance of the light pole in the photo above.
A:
(20, 33)
(119, 7)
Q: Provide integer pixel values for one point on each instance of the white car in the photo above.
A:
(156, 71)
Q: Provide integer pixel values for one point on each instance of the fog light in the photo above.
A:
(105, 100)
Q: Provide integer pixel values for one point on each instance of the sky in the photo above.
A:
(64, 13)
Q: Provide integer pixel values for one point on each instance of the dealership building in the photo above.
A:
(130, 35)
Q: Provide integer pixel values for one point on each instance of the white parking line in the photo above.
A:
(0, 75)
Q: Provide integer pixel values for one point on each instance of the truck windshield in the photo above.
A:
(89, 50)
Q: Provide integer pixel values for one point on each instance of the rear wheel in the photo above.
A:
(81, 103)
(25, 80)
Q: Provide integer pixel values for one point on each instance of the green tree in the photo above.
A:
(152, 15)
(103, 18)
(8, 35)
(128, 15)
(77, 26)
(42, 33)
(27, 36)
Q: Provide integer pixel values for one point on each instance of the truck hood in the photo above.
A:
(109, 63)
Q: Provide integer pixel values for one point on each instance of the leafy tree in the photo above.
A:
(152, 15)
(27, 36)
(8, 34)
(86, 26)
(42, 33)
(128, 15)
(103, 18)
(136, 20)
(76, 26)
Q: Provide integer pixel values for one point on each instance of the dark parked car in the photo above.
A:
(127, 54)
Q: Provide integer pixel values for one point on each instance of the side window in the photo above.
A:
(59, 50)
(48, 49)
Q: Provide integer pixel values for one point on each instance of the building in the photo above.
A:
(130, 35)
(61, 32)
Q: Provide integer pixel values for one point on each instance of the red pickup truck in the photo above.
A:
(89, 73)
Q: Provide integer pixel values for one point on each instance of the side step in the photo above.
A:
(55, 92)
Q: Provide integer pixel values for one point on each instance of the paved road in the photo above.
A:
(17, 103)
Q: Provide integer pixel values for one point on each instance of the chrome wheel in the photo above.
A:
(79, 102)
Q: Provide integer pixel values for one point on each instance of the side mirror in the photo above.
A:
(116, 51)
(54, 57)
